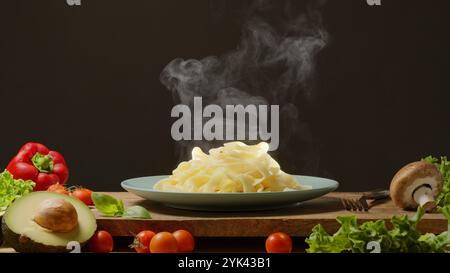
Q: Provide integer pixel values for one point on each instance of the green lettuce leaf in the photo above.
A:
(444, 167)
(11, 189)
(402, 237)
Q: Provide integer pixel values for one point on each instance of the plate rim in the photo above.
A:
(335, 185)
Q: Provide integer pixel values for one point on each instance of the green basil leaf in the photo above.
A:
(137, 212)
(107, 204)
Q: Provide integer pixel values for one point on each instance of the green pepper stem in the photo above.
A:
(44, 163)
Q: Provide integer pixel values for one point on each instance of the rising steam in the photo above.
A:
(273, 64)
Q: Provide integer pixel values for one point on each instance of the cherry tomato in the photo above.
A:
(142, 241)
(101, 242)
(163, 242)
(58, 188)
(185, 240)
(279, 242)
(83, 195)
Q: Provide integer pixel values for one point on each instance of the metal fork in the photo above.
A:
(361, 204)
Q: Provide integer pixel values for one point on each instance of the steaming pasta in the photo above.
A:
(234, 167)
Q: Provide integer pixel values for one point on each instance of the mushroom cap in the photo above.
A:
(411, 177)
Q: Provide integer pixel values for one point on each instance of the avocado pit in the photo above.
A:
(56, 215)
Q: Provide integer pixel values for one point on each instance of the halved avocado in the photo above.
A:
(21, 231)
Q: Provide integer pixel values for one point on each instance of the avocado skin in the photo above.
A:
(26, 245)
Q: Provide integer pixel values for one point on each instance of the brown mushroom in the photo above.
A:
(57, 215)
(416, 184)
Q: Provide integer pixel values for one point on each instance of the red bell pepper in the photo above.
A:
(35, 162)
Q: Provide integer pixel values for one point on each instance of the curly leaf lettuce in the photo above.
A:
(443, 166)
(11, 189)
(403, 237)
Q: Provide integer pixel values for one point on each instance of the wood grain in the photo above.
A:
(296, 221)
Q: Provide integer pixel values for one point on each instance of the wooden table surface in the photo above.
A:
(246, 231)
(296, 221)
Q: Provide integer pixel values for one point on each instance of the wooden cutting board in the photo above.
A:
(296, 221)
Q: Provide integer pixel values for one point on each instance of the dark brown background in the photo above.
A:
(85, 81)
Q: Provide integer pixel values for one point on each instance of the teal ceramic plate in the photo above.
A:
(143, 187)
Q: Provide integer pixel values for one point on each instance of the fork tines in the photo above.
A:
(355, 204)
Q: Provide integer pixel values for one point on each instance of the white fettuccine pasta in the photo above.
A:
(235, 167)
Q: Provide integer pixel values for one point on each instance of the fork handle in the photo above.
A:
(376, 195)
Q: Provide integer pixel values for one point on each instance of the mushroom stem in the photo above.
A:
(424, 197)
